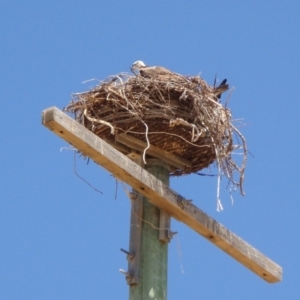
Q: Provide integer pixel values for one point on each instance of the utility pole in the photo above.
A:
(149, 253)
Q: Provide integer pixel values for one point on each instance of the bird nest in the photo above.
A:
(173, 117)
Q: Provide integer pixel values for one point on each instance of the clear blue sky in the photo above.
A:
(59, 239)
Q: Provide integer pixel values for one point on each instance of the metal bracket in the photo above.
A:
(128, 276)
(129, 256)
(164, 227)
(165, 234)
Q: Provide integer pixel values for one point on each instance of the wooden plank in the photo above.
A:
(159, 194)
(121, 147)
(136, 217)
(153, 151)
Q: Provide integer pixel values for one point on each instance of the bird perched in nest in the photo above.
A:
(149, 72)
(160, 72)
(219, 90)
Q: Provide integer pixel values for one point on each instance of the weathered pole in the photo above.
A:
(153, 253)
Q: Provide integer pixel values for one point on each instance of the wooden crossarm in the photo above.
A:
(159, 194)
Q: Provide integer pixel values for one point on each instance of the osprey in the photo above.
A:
(149, 72)
(160, 72)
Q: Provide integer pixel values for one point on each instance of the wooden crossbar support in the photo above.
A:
(156, 152)
(136, 217)
(159, 194)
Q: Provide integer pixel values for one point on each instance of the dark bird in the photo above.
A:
(219, 90)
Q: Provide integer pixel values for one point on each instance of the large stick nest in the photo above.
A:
(175, 113)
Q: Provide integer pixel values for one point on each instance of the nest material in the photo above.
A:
(175, 113)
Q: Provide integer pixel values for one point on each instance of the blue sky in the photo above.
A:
(59, 239)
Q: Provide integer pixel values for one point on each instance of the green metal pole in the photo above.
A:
(154, 253)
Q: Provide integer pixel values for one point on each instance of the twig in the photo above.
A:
(112, 131)
(83, 178)
(148, 144)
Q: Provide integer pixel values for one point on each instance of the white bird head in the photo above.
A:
(138, 65)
